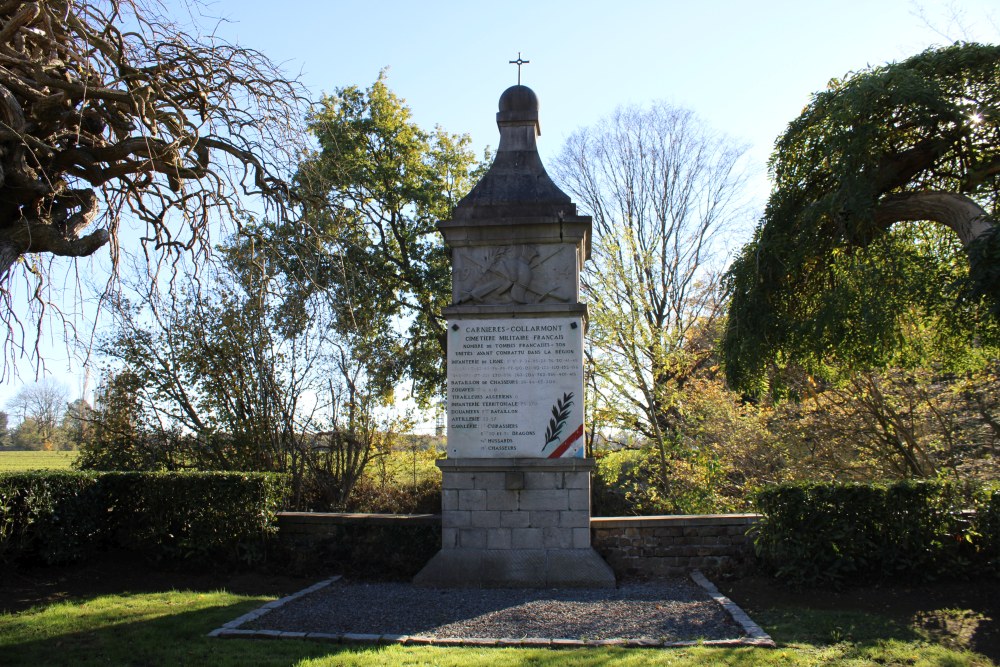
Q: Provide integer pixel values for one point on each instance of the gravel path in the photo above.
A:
(663, 611)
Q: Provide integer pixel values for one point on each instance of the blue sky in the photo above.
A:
(748, 68)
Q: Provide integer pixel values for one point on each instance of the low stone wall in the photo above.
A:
(379, 546)
(295, 525)
(644, 546)
(647, 546)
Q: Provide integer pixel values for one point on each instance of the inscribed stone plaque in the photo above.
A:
(515, 387)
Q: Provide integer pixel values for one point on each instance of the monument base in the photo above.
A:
(509, 523)
(516, 568)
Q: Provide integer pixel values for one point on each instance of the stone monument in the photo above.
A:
(516, 485)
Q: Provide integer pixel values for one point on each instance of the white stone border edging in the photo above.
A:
(755, 634)
(231, 629)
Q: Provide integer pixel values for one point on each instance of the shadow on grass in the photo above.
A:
(821, 627)
(961, 628)
(140, 629)
(171, 628)
(953, 614)
(871, 637)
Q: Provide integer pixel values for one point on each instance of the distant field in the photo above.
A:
(17, 461)
(399, 466)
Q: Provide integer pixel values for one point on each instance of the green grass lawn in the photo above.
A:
(170, 628)
(20, 461)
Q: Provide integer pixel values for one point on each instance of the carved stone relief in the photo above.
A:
(520, 274)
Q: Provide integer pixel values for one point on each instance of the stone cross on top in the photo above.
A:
(519, 62)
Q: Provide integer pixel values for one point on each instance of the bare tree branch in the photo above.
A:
(112, 115)
(663, 191)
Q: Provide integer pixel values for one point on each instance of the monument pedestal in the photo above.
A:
(519, 522)
(516, 488)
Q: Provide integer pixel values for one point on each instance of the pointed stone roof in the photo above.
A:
(516, 185)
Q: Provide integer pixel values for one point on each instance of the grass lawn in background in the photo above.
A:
(398, 467)
(67, 616)
(21, 461)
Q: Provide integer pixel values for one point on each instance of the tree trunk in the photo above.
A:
(8, 255)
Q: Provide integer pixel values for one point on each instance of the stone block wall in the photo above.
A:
(633, 546)
(651, 546)
(516, 522)
(516, 509)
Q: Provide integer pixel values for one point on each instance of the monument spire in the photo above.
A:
(516, 184)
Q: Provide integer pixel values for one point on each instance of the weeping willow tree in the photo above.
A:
(881, 225)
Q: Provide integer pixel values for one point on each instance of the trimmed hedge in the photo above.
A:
(204, 518)
(51, 516)
(830, 533)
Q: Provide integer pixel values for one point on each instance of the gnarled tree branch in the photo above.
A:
(110, 114)
(959, 213)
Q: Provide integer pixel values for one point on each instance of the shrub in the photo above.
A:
(988, 526)
(49, 516)
(825, 533)
(205, 517)
(224, 518)
(370, 497)
(624, 484)
(629, 482)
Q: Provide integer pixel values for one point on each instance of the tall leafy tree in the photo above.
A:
(373, 192)
(212, 361)
(663, 190)
(76, 422)
(882, 221)
(224, 378)
(4, 433)
(41, 407)
(117, 437)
